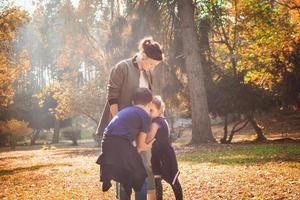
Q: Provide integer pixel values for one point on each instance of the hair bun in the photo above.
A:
(151, 48)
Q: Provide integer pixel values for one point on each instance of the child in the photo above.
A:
(163, 161)
(120, 160)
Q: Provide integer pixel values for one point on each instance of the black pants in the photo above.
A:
(176, 189)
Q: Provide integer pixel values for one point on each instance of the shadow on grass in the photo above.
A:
(14, 157)
(20, 148)
(49, 146)
(78, 152)
(4, 172)
(250, 154)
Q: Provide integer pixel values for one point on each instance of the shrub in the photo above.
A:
(72, 134)
(12, 131)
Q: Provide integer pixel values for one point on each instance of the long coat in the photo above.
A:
(123, 81)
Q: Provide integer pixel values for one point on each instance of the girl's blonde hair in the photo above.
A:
(159, 103)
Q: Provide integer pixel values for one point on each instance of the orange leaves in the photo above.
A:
(62, 94)
(10, 20)
(66, 173)
(24, 63)
(63, 59)
(14, 127)
(10, 73)
(10, 68)
(72, 98)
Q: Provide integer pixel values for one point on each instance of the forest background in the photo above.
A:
(56, 57)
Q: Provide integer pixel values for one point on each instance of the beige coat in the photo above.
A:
(123, 81)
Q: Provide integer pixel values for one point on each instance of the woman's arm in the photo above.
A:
(152, 133)
(114, 108)
(115, 83)
(141, 142)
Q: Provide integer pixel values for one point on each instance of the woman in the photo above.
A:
(124, 79)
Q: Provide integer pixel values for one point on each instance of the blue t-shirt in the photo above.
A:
(128, 123)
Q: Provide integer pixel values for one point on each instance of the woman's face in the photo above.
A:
(149, 64)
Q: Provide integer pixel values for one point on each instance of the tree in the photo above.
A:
(230, 96)
(12, 130)
(77, 72)
(201, 130)
(10, 66)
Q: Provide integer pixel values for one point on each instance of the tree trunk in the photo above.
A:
(55, 138)
(235, 129)
(224, 139)
(258, 130)
(12, 141)
(34, 136)
(201, 130)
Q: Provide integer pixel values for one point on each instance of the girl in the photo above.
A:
(163, 161)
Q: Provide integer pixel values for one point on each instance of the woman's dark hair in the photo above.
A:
(151, 48)
(142, 96)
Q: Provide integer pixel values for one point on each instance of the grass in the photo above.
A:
(248, 171)
(251, 154)
(31, 168)
(85, 134)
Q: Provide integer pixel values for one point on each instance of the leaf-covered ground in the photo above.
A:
(248, 171)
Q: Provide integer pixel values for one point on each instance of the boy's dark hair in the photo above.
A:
(142, 96)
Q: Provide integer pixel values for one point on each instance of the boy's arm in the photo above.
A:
(141, 142)
(152, 133)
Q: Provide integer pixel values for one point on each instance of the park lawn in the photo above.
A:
(248, 171)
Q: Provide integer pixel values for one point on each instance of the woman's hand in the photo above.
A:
(149, 144)
(141, 142)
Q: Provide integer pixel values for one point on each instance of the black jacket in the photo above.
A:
(120, 161)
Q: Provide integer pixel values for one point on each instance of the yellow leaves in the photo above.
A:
(23, 60)
(63, 60)
(10, 71)
(72, 173)
(15, 127)
(6, 80)
(62, 93)
(98, 55)
(11, 19)
(73, 99)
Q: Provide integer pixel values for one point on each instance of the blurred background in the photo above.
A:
(56, 55)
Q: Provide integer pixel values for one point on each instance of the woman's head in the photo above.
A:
(158, 107)
(150, 52)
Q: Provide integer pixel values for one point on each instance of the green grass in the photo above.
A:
(85, 134)
(257, 153)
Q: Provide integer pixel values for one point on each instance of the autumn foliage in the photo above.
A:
(12, 63)
(64, 52)
(12, 130)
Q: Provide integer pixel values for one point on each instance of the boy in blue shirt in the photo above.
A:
(120, 160)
